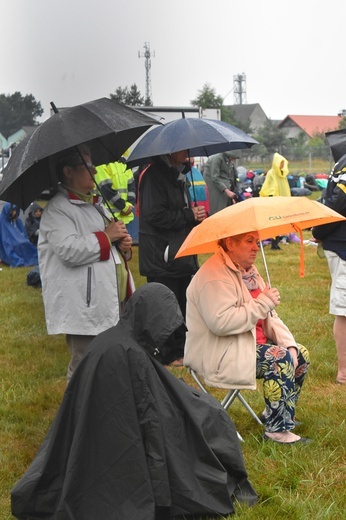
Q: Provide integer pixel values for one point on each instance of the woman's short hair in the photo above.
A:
(236, 238)
(70, 157)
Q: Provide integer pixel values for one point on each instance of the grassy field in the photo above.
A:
(293, 482)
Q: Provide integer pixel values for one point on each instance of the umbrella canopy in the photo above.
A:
(337, 143)
(201, 137)
(107, 127)
(269, 216)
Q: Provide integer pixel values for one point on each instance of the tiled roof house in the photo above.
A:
(310, 125)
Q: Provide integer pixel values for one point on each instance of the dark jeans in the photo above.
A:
(174, 346)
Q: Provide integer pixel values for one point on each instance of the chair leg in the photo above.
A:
(249, 409)
(228, 400)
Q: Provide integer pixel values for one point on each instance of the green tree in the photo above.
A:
(207, 98)
(318, 146)
(342, 123)
(128, 96)
(134, 97)
(17, 111)
(271, 137)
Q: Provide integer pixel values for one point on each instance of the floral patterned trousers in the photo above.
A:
(282, 384)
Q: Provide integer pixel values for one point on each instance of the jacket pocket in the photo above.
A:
(221, 361)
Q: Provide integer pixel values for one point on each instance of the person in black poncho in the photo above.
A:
(130, 440)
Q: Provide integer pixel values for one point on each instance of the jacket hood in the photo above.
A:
(34, 206)
(9, 207)
(280, 172)
(152, 314)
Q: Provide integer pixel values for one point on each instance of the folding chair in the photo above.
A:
(228, 399)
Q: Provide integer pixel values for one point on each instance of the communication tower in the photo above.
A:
(239, 89)
(147, 55)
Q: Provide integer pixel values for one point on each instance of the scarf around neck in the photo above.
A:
(250, 278)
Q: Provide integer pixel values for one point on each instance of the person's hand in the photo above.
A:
(125, 244)
(232, 195)
(116, 230)
(294, 354)
(127, 211)
(273, 294)
(199, 213)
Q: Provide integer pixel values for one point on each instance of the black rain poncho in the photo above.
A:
(130, 440)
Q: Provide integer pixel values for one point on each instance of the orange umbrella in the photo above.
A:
(269, 216)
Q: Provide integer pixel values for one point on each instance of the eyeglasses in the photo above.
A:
(90, 166)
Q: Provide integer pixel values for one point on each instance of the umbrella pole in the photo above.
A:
(265, 263)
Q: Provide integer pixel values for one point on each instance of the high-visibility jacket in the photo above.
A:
(117, 185)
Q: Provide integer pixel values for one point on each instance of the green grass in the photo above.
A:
(293, 482)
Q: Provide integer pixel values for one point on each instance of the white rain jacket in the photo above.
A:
(77, 268)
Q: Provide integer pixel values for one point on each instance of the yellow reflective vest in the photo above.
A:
(117, 185)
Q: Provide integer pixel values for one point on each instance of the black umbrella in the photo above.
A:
(201, 137)
(337, 143)
(107, 127)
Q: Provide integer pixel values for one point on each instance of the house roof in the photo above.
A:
(312, 125)
(243, 112)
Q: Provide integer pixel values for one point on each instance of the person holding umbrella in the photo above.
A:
(237, 337)
(82, 257)
(166, 217)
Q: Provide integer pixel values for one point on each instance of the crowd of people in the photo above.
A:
(227, 330)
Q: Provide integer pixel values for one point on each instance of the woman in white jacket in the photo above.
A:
(234, 334)
(84, 276)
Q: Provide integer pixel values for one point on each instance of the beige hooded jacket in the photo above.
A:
(221, 321)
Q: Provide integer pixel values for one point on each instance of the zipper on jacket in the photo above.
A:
(88, 294)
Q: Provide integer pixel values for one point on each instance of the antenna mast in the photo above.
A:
(147, 55)
(239, 87)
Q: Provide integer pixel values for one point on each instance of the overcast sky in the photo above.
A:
(73, 51)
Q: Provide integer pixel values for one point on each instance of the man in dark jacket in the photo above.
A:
(333, 238)
(130, 440)
(165, 219)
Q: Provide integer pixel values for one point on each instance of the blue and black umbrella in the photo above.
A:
(201, 137)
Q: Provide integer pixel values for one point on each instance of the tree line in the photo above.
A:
(17, 111)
